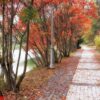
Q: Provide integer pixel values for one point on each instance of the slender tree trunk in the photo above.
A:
(26, 56)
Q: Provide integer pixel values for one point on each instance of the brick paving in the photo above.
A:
(78, 78)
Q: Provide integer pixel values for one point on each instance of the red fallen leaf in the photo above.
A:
(39, 93)
(1, 98)
(63, 98)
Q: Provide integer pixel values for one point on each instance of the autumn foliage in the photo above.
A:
(72, 18)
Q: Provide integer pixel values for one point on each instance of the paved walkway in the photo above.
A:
(77, 79)
(86, 81)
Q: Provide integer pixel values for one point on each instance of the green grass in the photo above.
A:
(2, 84)
(31, 64)
(97, 42)
(16, 46)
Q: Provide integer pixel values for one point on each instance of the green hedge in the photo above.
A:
(97, 41)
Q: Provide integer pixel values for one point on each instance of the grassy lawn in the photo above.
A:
(2, 84)
(31, 64)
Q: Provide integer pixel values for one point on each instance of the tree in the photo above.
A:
(9, 30)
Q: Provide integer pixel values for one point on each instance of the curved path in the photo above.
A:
(78, 78)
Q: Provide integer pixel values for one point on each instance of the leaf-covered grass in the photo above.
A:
(31, 84)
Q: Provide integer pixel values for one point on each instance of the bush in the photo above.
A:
(88, 37)
(97, 41)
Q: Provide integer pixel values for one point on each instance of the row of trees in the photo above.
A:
(70, 20)
(50, 28)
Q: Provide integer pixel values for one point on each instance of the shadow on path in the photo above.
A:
(85, 84)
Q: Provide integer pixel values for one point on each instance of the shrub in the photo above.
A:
(97, 41)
